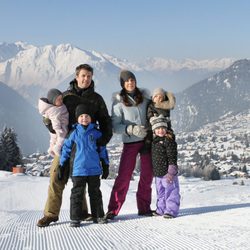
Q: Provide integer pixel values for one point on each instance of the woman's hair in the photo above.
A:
(138, 97)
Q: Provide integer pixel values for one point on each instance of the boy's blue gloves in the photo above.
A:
(60, 173)
(105, 169)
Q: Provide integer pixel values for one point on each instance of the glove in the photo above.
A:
(60, 173)
(105, 169)
(136, 130)
(48, 124)
(172, 172)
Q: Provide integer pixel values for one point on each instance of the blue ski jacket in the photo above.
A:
(87, 155)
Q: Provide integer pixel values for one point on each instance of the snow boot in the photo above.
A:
(75, 223)
(87, 217)
(154, 213)
(146, 214)
(168, 216)
(46, 220)
(101, 220)
(109, 215)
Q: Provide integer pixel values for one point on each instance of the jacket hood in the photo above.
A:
(43, 105)
(169, 104)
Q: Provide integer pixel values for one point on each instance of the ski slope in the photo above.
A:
(213, 215)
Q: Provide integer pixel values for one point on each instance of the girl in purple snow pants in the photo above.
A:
(165, 169)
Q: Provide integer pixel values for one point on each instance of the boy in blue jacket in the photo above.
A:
(87, 167)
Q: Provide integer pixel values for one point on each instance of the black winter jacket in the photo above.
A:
(75, 96)
(164, 153)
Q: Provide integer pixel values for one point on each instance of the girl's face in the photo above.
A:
(59, 101)
(129, 85)
(158, 98)
(84, 119)
(161, 131)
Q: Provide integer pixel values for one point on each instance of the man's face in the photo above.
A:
(84, 79)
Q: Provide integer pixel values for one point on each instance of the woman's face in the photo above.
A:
(129, 85)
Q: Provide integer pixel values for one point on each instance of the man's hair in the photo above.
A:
(84, 66)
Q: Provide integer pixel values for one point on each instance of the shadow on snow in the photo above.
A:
(210, 209)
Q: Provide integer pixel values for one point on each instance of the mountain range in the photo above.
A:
(227, 92)
(207, 89)
(32, 70)
(17, 113)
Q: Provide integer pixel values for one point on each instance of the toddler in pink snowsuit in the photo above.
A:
(165, 169)
(53, 108)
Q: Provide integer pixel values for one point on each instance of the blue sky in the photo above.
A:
(133, 29)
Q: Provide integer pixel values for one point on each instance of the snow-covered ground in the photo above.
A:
(213, 215)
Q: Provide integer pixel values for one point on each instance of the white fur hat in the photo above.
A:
(159, 121)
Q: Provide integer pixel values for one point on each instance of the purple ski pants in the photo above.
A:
(121, 185)
(168, 196)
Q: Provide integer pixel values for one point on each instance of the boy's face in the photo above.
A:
(84, 79)
(84, 119)
(59, 101)
(161, 131)
(158, 98)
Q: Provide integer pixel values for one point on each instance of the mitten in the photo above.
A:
(51, 152)
(137, 130)
(47, 122)
(57, 150)
(172, 172)
(60, 173)
(105, 169)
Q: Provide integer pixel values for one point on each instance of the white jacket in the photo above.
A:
(59, 117)
(122, 116)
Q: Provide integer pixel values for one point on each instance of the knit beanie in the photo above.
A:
(158, 121)
(83, 109)
(158, 91)
(125, 75)
(52, 95)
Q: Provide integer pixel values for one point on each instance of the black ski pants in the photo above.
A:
(95, 195)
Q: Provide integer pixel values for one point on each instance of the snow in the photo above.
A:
(227, 83)
(213, 215)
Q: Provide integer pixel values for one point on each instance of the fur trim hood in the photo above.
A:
(169, 103)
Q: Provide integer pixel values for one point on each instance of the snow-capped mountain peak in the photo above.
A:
(161, 64)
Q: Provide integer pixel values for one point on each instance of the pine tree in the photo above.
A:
(3, 161)
(244, 169)
(11, 150)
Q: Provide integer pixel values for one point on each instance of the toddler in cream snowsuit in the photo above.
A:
(53, 108)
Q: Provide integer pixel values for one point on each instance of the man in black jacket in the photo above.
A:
(80, 91)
